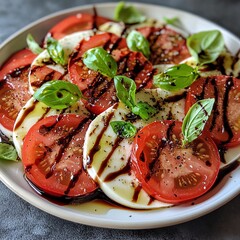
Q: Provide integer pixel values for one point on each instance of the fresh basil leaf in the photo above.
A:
(126, 93)
(33, 45)
(128, 14)
(123, 129)
(58, 94)
(144, 110)
(196, 118)
(137, 42)
(205, 47)
(175, 22)
(176, 77)
(56, 51)
(8, 152)
(126, 90)
(171, 21)
(100, 60)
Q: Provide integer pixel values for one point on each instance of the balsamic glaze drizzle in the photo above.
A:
(201, 96)
(64, 143)
(136, 193)
(113, 175)
(38, 82)
(211, 81)
(105, 162)
(26, 112)
(170, 130)
(98, 81)
(101, 84)
(228, 86)
(29, 110)
(64, 199)
(215, 108)
(95, 148)
(95, 15)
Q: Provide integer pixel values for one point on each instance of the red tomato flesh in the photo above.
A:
(75, 23)
(166, 45)
(18, 60)
(224, 122)
(14, 86)
(168, 171)
(98, 89)
(40, 74)
(79, 73)
(52, 156)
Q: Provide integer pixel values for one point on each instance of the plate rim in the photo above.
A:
(44, 205)
(109, 4)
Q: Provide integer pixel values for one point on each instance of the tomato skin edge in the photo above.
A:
(220, 83)
(140, 175)
(17, 60)
(62, 200)
(52, 186)
(74, 23)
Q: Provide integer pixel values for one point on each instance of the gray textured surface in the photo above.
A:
(20, 220)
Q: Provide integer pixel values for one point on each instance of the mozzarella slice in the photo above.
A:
(107, 157)
(68, 43)
(34, 111)
(113, 27)
(6, 132)
(149, 22)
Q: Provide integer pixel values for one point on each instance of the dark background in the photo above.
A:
(20, 220)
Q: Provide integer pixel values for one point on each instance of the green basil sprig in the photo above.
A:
(196, 118)
(144, 110)
(123, 129)
(58, 94)
(175, 21)
(171, 21)
(56, 52)
(128, 14)
(100, 60)
(8, 152)
(126, 92)
(205, 47)
(137, 42)
(33, 45)
(176, 77)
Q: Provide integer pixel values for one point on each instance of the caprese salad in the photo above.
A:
(132, 108)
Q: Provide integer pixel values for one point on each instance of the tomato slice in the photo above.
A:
(224, 122)
(39, 74)
(168, 171)
(53, 159)
(18, 60)
(14, 86)
(98, 89)
(166, 45)
(79, 73)
(75, 23)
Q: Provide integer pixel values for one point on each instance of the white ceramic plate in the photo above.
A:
(105, 215)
